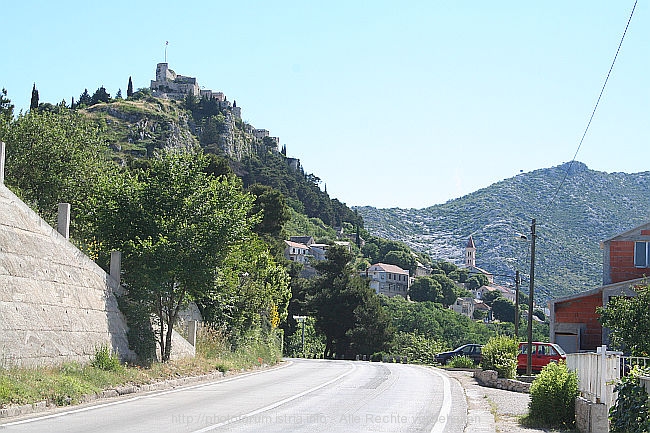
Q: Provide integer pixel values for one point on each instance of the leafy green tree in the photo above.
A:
(447, 288)
(425, 289)
(628, 320)
(339, 300)
(33, 105)
(503, 309)
(491, 296)
(129, 88)
(403, 259)
(176, 225)
(250, 288)
(118, 95)
(54, 158)
(270, 204)
(6, 107)
(476, 281)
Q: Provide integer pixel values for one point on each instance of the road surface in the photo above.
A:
(299, 396)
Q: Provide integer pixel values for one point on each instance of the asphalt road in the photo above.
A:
(300, 396)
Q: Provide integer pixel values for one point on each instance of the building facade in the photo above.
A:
(574, 322)
(389, 280)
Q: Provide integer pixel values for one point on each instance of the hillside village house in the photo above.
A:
(389, 280)
(626, 263)
(301, 249)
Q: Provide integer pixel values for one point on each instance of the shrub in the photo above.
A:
(500, 354)
(552, 396)
(461, 362)
(105, 359)
(631, 413)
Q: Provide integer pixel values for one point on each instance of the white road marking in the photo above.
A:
(139, 397)
(274, 405)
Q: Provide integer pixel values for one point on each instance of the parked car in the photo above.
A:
(543, 353)
(472, 351)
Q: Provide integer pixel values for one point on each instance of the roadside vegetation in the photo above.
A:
(69, 383)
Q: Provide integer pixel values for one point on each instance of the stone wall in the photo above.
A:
(56, 304)
(490, 379)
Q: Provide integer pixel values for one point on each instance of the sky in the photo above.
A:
(392, 104)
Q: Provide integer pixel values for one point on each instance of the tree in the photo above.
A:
(118, 95)
(6, 108)
(490, 296)
(84, 99)
(33, 105)
(628, 320)
(476, 281)
(176, 226)
(403, 259)
(54, 158)
(503, 309)
(447, 288)
(100, 95)
(425, 289)
(271, 206)
(129, 88)
(342, 304)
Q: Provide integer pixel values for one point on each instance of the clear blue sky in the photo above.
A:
(392, 104)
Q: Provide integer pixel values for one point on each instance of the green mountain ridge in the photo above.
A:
(575, 209)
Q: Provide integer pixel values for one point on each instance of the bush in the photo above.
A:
(500, 354)
(105, 359)
(631, 413)
(461, 362)
(552, 396)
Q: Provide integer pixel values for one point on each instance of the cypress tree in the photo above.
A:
(34, 103)
(129, 89)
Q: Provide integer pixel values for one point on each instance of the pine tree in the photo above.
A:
(118, 95)
(84, 98)
(34, 103)
(129, 89)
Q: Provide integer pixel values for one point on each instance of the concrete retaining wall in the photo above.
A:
(56, 304)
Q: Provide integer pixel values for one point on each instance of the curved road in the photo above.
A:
(299, 396)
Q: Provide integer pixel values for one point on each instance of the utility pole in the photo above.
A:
(531, 292)
(517, 282)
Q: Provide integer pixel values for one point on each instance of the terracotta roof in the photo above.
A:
(296, 245)
(389, 268)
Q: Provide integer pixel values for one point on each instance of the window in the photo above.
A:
(641, 254)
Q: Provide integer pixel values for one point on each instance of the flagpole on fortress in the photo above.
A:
(166, 43)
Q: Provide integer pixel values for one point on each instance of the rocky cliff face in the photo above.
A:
(138, 128)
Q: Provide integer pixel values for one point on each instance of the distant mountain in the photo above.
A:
(575, 209)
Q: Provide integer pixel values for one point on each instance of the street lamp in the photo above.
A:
(301, 319)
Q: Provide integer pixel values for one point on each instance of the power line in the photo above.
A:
(593, 113)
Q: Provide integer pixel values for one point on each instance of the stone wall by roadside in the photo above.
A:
(56, 304)
(490, 379)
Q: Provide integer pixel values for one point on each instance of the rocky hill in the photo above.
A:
(572, 220)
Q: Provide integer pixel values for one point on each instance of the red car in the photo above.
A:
(543, 353)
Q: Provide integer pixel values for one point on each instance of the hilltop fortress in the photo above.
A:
(170, 85)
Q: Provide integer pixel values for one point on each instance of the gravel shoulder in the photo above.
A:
(506, 407)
